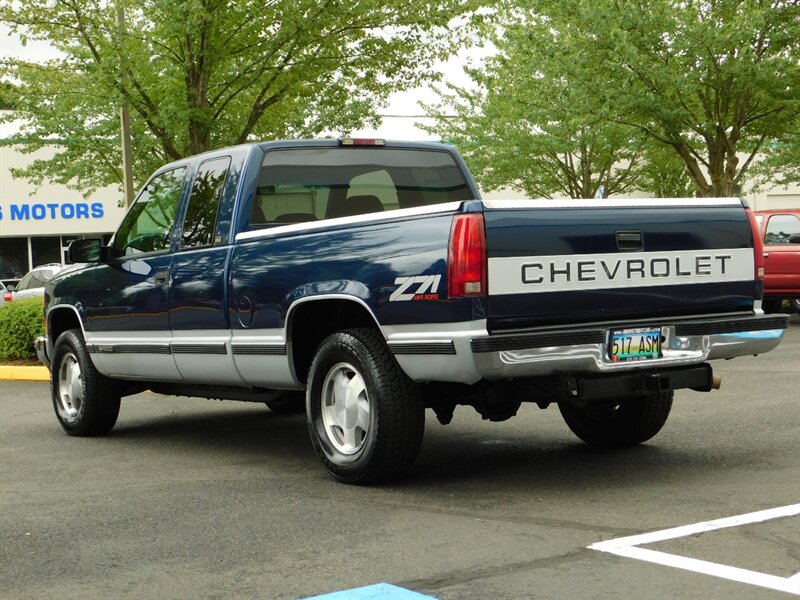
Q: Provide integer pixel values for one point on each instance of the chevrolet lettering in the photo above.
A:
(362, 282)
(630, 268)
(605, 271)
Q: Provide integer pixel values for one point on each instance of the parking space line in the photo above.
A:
(629, 548)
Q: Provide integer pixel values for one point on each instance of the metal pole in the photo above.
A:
(125, 118)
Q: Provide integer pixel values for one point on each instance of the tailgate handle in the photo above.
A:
(629, 240)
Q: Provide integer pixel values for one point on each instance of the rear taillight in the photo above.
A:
(8, 297)
(758, 245)
(466, 257)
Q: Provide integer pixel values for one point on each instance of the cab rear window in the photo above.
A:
(310, 184)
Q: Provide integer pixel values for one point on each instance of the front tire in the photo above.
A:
(365, 416)
(86, 402)
(628, 422)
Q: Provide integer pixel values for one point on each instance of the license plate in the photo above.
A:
(637, 343)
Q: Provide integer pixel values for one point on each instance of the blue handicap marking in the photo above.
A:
(379, 591)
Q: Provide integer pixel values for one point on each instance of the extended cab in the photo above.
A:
(363, 282)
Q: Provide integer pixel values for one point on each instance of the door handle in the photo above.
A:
(766, 254)
(161, 277)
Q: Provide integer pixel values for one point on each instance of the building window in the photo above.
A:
(13, 257)
(45, 250)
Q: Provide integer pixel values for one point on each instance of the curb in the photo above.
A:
(13, 373)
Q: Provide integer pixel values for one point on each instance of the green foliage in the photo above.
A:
(576, 86)
(8, 95)
(781, 162)
(21, 322)
(202, 74)
(711, 80)
(530, 123)
(664, 174)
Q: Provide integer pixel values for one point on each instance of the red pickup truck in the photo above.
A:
(780, 230)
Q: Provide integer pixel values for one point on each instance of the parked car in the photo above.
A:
(3, 293)
(779, 230)
(32, 284)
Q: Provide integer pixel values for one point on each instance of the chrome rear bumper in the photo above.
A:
(585, 351)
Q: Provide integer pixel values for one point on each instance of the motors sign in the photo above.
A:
(44, 217)
(53, 210)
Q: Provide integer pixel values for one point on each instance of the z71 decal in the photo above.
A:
(418, 287)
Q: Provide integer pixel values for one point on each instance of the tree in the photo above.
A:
(781, 163)
(712, 79)
(664, 174)
(200, 74)
(532, 125)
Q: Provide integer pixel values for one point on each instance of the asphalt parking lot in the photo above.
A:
(191, 498)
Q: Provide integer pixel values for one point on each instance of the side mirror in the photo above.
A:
(11, 287)
(794, 238)
(85, 251)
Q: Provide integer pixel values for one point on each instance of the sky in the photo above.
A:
(399, 117)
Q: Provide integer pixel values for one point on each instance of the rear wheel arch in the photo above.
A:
(310, 321)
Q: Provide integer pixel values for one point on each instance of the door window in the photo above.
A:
(149, 224)
(201, 214)
(780, 227)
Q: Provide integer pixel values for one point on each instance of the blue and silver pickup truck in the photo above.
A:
(363, 282)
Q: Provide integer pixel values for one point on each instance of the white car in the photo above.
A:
(33, 283)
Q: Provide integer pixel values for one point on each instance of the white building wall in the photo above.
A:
(52, 209)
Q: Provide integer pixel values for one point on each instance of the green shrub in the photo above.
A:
(21, 322)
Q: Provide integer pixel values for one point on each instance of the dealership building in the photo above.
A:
(37, 224)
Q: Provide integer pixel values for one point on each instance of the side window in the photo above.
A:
(780, 227)
(25, 282)
(148, 225)
(201, 214)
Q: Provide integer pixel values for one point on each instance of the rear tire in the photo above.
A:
(365, 416)
(86, 402)
(629, 422)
